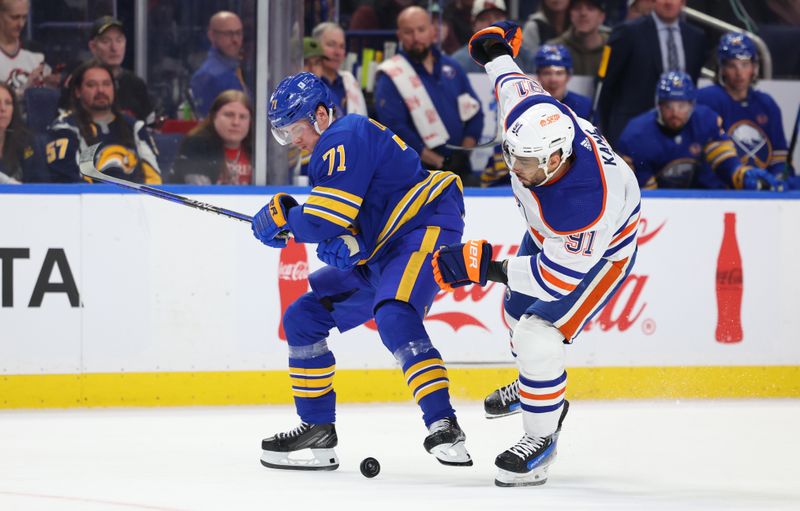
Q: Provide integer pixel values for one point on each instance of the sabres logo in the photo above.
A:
(751, 143)
(116, 156)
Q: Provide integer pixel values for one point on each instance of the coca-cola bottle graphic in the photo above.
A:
(292, 277)
(729, 285)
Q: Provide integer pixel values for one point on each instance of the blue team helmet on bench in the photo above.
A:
(675, 86)
(736, 45)
(296, 98)
(553, 55)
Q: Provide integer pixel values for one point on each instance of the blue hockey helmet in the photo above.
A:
(296, 98)
(553, 55)
(675, 86)
(736, 45)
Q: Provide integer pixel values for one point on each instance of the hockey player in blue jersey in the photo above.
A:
(750, 117)
(553, 70)
(679, 144)
(581, 206)
(377, 217)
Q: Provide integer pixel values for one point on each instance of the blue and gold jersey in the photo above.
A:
(365, 179)
(754, 125)
(700, 155)
(137, 163)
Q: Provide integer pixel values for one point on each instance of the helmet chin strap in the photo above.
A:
(549, 175)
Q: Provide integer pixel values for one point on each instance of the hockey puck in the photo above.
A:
(370, 467)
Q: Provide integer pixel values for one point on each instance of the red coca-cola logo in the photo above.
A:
(293, 271)
(731, 277)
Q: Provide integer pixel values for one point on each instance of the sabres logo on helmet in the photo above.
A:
(736, 45)
(117, 156)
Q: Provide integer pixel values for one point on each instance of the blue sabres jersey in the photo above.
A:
(754, 125)
(700, 155)
(365, 179)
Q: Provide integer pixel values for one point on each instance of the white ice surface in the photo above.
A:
(644, 455)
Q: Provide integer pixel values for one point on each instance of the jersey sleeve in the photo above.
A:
(631, 151)
(515, 91)
(146, 148)
(340, 172)
(61, 152)
(780, 150)
(719, 149)
(561, 265)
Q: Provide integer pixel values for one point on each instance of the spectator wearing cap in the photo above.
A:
(553, 70)
(107, 42)
(222, 69)
(484, 13)
(347, 95)
(586, 35)
(312, 56)
(639, 8)
(548, 22)
(639, 52)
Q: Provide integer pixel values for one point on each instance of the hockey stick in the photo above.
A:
(793, 143)
(490, 143)
(87, 168)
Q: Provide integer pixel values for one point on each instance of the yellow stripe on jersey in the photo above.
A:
(330, 217)
(415, 262)
(342, 208)
(341, 194)
(421, 194)
(717, 152)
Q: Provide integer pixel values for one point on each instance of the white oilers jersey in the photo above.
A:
(588, 214)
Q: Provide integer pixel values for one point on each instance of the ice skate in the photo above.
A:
(503, 401)
(527, 462)
(446, 442)
(284, 450)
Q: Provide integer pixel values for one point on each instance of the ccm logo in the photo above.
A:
(473, 254)
(549, 120)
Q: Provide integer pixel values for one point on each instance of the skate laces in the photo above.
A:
(299, 430)
(509, 393)
(527, 445)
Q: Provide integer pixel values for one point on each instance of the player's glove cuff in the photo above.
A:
(461, 264)
(501, 38)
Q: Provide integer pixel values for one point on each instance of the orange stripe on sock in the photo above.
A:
(541, 397)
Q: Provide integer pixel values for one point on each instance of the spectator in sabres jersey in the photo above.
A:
(444, 111)
(553, 70)
(751, 117)
(680, 144)
(128, 151)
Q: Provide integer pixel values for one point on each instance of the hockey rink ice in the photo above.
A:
(643, 455)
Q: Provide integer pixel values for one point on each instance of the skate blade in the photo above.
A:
(535, 477)
(453, 455)
(515, 411)
(322, 459)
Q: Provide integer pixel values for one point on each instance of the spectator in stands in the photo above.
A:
(751, 118)
(379, 14)
(313, 59)
(640, 51)
(484, 13)
(459, 15)
(20, 160)
(20, 68)
(107, 42)
(586, 36)
(549, 22)
(680, 144)
(222, 69)
(639, 8)
(128, 150)
(445, 110)
(219, 150)
(346, 90)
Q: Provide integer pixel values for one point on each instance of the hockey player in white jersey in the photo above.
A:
(580, 202)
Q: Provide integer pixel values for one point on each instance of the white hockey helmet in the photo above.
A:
(539, 132)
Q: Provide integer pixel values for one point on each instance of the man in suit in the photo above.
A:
(641, 50)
